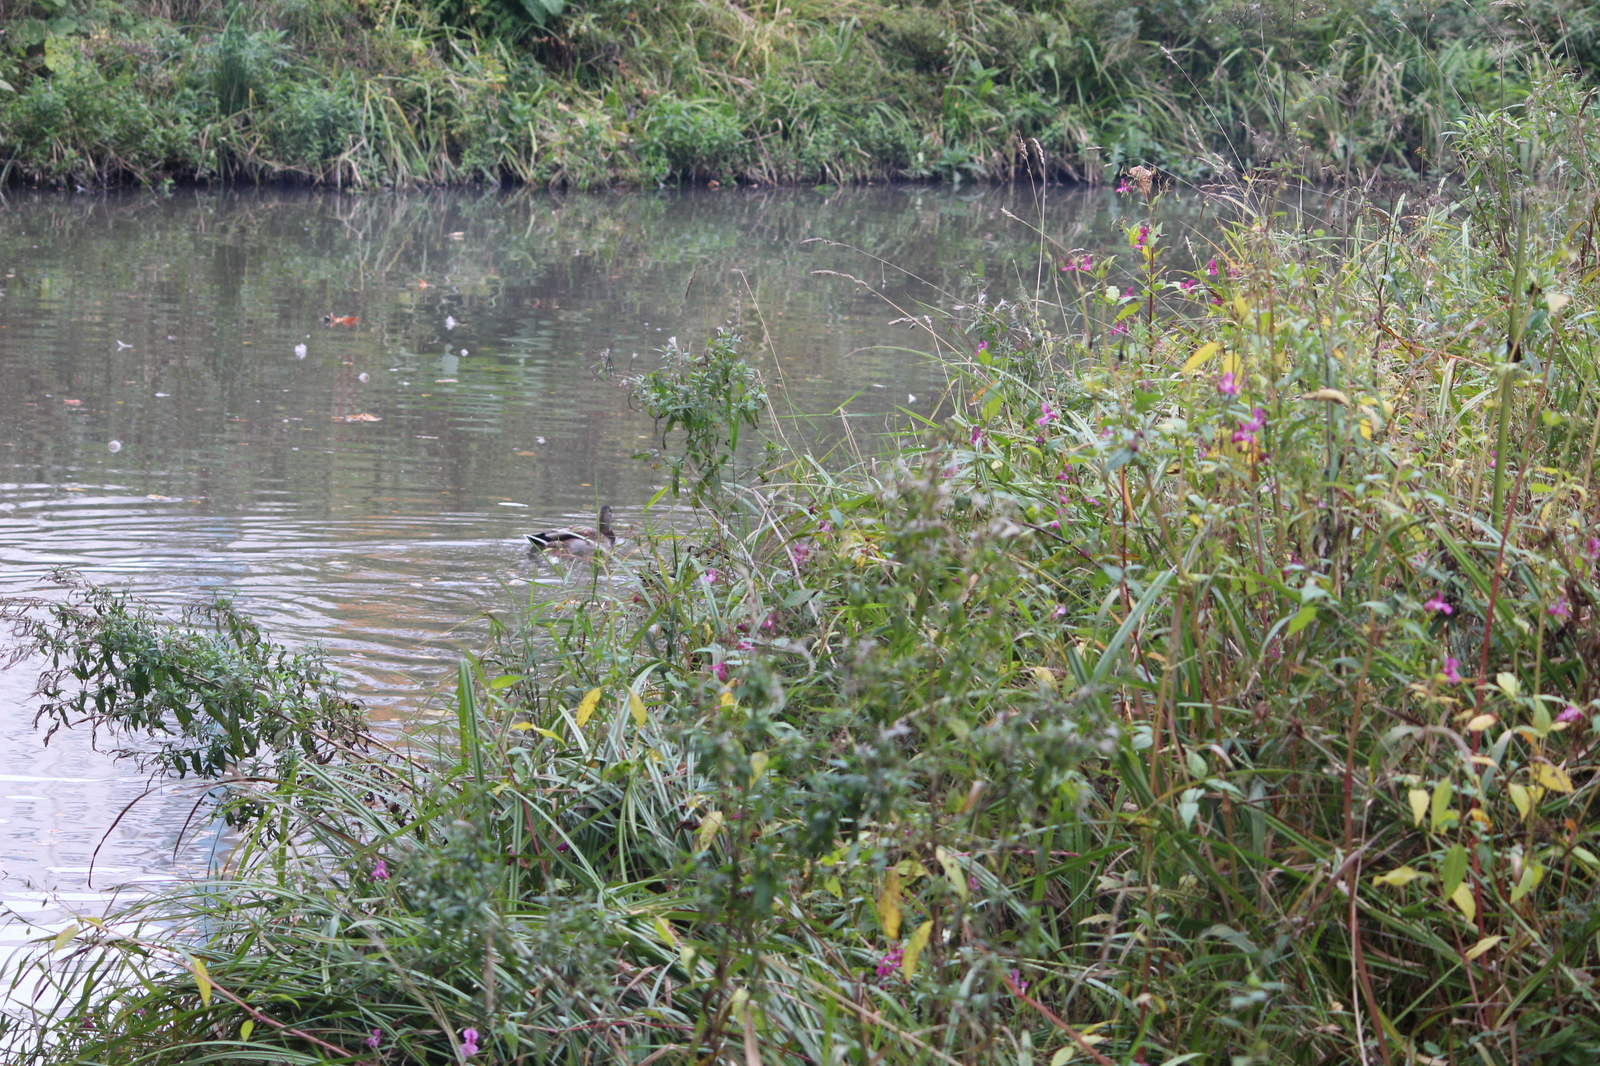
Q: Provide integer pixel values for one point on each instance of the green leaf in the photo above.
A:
(1440, 813)
(1302, 618)
(1453, 870)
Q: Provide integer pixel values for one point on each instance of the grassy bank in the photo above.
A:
(595, 93)
(1216, 683)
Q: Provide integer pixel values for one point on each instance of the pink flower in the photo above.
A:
(1131, 291)
(1120, 327)
(1258, 421)
(1243, 436)
(1124, 186)
(1061, 608)
(1228, 384)
(1452, 666)
(1018, 981)
(977, 435)
(1559, 609)
(1143, 238)
(1570, 715)
(1048, 414)
(1437, 605)
(983, 346)
(719, 671)
(743, 645)
(1211, 268)
(1188, 284)
(469, 1043)
(380, 871)
(1594, 547)
(375, 1039)
(890, 963)
(1088, 262)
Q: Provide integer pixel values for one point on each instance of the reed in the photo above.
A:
(612, 92)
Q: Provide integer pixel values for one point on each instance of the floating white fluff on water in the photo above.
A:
(114, 447)
(299, 351)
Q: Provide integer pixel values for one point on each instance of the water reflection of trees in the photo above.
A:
(213, 290)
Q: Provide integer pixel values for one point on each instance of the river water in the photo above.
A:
(175, 413)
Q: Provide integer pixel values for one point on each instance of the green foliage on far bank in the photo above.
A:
(1216, 682)
(594, 93)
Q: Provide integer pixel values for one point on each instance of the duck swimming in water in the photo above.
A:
(576, 540)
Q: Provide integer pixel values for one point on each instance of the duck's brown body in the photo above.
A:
(579, 540)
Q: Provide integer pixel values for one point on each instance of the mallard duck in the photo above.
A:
(578, 540)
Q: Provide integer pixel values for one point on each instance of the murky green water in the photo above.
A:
(175, 412)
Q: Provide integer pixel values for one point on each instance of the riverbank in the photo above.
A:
(1214, 681)
(631, 93)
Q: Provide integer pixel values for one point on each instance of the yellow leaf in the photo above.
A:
(546, 733)
(1521, 799)
(1364, 427)
(246, 1027)
(1399, 877)
(1231, 363)
(889, 905)
(1486, 944)
(710, 826)
(636, 705)
(664, 931)
(522, 727)
(952, 870)
(914, 946)
(1462, 897)
(1418, 798)
(727, 699)
(1551, 777)
(1333, 395)
(758, 765)
(1201, 354)
(63, 938)
(1555, 301)
(202, 980)
(835, 887)
(586, 708)
(1044, 676)
(1063, 1055)
(1481, 722)
(1240, 307)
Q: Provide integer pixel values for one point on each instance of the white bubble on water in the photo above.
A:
(114, 447)
(450, 322)
(299, 351)
(363, 376)
(463, 351)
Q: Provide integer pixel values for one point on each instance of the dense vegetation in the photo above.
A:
(589, 93)
(1218, 682)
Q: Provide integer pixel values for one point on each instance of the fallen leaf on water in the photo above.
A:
(72, 403)
(340, 320)
(357, 418)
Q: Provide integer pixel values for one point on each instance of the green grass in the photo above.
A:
(628, 92)
(1216, 683)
